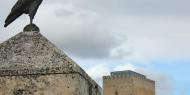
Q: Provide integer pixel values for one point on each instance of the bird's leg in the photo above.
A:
(31, 20)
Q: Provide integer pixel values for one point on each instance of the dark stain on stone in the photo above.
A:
(90, 89)
(18, 92)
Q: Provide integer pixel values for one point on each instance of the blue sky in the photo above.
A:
(179, 71)
(148, 36)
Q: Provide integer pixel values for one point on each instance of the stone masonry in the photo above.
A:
(127, 83)
(31, 65)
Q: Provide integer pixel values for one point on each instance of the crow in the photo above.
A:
(23, 7)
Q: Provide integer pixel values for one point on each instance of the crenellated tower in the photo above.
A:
(128, 83)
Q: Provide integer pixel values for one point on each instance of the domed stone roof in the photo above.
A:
(31, 65)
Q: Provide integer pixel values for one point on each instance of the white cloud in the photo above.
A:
(122, 67)
(98, 71)
(136, 7)
(149, 38)
(77, 31)
(83, 31)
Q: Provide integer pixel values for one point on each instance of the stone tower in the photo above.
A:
(31, 65)
(127, 83)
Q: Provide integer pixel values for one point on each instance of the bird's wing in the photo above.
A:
(20, 4)
(17, 10)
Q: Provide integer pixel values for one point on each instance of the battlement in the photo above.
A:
(106, 77)
(115, 77)
(127, 73)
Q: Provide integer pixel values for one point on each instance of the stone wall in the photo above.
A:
(53, 84)
(143, 86)
(117, 86)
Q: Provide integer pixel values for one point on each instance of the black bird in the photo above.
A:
(23, 7)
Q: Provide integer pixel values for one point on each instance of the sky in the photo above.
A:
(147, 36)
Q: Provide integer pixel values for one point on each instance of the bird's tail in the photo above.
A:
(11, 18)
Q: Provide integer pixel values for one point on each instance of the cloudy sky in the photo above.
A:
(148, 36)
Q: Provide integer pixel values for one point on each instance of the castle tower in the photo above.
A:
(31, 65)
(127, 83)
